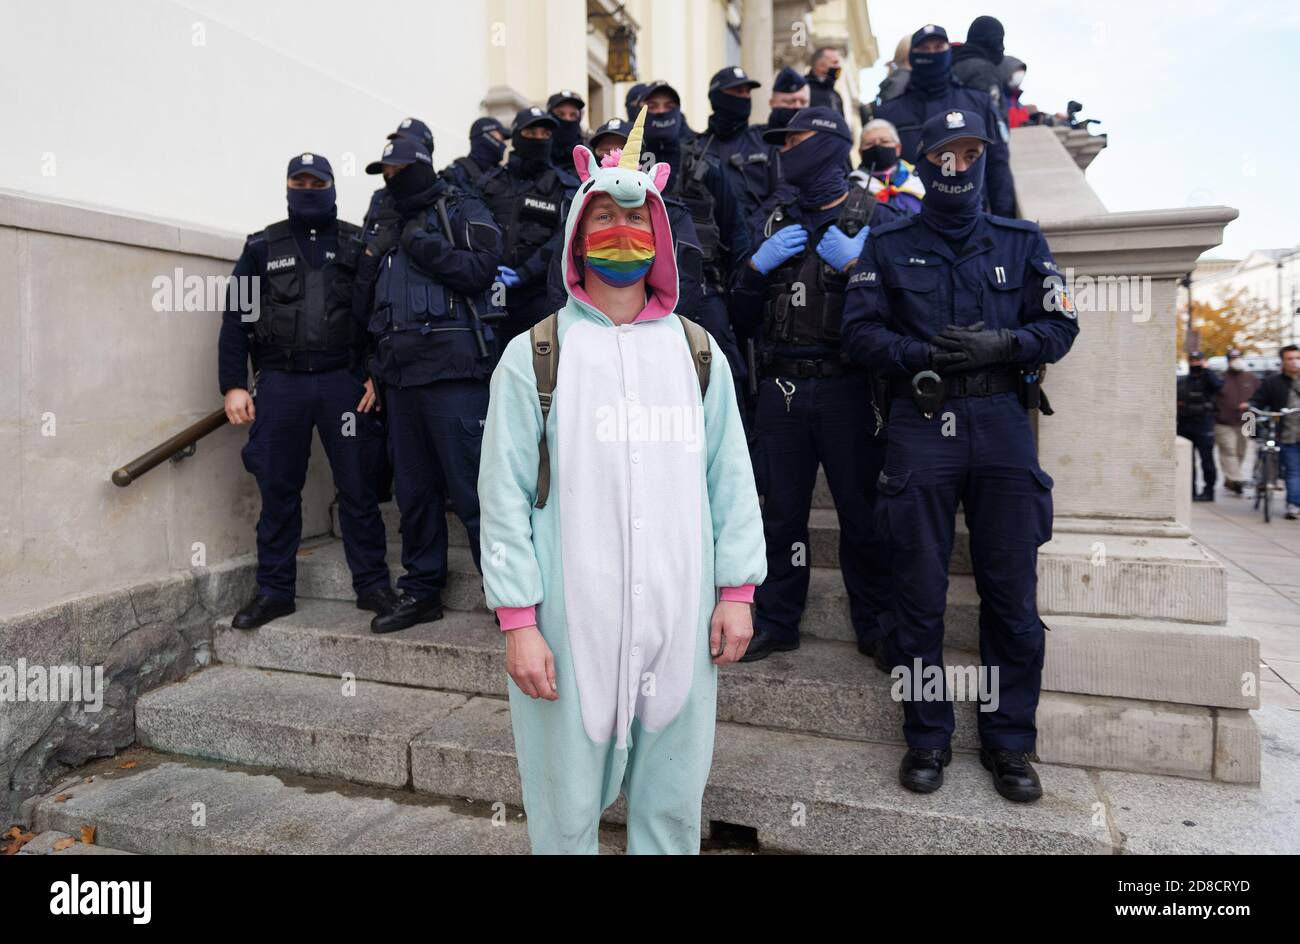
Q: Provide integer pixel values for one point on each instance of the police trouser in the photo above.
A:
(978, 451)
(830, 422)
(289, 404)
(436, 432)
(1201, 433)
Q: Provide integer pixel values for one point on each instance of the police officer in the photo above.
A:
(790, 92)
(565, 106)
(306, 348)
(745, 158)
(698, 182)
(960, 310)
(813, 406)
(529, 199)
(1196, 393)
(632, 101)
(975, 62)
(613, 134)
(424, 287)
(931, 91)
(487, 145)
(380, 213)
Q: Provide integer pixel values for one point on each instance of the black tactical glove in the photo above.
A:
(384, 240)
(979, 347)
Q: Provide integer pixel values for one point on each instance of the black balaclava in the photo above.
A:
(730, 113)
(411, 187)
(663, 137)
(931, 71)
(485, 150)
(987, 33)
(566, 135)
(533, 155)
(780, 117)
(816, 167)
(313, 207)
(951, 205)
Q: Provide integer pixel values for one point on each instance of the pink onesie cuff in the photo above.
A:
(516, 617)
(744, 594)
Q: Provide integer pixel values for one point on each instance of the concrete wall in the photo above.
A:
(192, 110)
(88, 359)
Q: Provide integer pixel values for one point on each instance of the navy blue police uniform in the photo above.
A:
(485, 153)
(425, 293)
(746, 160)
(813, 404)
(306, 348)
(698, 182)
(978, 299)
(529, 199)
(932, 91)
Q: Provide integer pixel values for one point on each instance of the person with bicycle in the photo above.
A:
(1282, 392)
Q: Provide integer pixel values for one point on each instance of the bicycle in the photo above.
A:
(1268, 454)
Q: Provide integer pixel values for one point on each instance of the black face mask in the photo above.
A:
(410, 183)
(780, 117)
(878, 157)
(313, 207)
(566, 136)
(952, 201)
(486, 151)
(534, 154)
(730, 113)
(663, 136)
(832, 75)
(931, 71)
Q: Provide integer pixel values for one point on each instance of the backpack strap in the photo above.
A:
(545, 339)
(698, 339)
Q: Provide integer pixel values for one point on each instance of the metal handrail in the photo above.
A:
(176, 448)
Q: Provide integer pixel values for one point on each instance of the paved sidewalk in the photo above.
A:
(1263, 562)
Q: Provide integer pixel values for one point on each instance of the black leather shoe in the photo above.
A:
(922, 768)
(260, 610)
(406, 613)
(1013, 776)
(763, 644)
(875, 651)
(381, 600)
(1206, 495)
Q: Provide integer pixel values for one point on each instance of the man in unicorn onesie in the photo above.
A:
(621, 531)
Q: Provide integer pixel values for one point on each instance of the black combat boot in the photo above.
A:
(261, 610)
(1013, 776)
(922, 768)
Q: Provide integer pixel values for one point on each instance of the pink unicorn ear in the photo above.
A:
(659, 174)
(584, 162)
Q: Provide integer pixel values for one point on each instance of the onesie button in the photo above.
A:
(637, 589)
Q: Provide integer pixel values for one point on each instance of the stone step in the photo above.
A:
(149, 809)
(825, 687)
(1160, 660)
(800, 792)
(823, 536)
(53, 842)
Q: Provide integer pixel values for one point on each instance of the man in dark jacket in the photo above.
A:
(822, 76)
(1282, 392)
(975, 62)
(487, 145)
(1196, 393)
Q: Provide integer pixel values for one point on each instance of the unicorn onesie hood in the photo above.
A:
(652, 517)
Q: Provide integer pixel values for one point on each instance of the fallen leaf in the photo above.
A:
(127, 764)
(14, 833)
(88, 835)
(66, 842)
(63, 798)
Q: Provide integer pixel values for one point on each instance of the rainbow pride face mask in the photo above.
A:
(620, 255)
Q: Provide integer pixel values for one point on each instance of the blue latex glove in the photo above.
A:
(841, 251)
(507, 276)
(779, 247)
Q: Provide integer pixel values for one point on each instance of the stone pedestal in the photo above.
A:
(1138, 609)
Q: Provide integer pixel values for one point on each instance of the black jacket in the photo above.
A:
(1273, 393)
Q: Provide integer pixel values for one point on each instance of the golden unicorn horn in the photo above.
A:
(631, 158)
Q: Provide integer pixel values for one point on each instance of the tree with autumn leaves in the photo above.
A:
(1238, 320)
